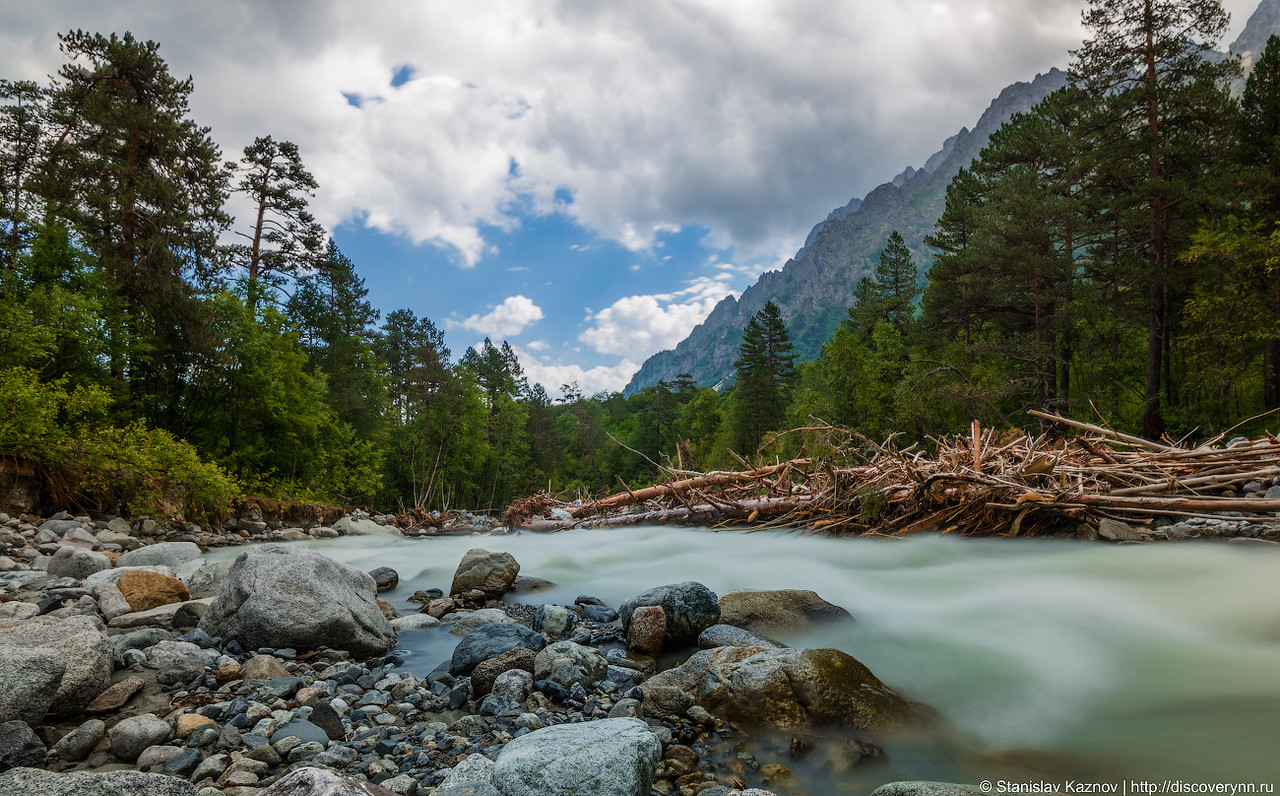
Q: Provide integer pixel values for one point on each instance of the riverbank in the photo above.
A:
(912, 598)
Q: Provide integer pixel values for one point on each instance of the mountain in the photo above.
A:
(1262, 24)
(815, 288)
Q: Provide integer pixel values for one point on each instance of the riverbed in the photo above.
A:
(1051, 660)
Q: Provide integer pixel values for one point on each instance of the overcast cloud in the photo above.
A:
(749, 118)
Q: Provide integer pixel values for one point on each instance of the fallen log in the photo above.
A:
(702, 513)
(638, 496)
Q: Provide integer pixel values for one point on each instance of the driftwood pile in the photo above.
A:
(983, 483)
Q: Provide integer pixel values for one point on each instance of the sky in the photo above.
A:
(583, 179)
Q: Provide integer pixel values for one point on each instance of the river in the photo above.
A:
(1052, 660)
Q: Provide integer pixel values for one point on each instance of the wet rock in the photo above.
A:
(145, 590)
(777, 611)
(19, 746)
(491, 573)
(415, 622)
(647, 629)
(566, 663)
(327, 719)
(491, 641)
(527, 584)
(78, 563)
(730, 636)
(77, 744)
(1117, 531)
(36, 782)
(129, 737)
(599, 758)
(469, 622)
(483, 676)
(554, 620)
(81, 644)
(787, 688)
(184, 559)
(909, 788)
(287, 596)
(303, 730)
(690, 608)
(385, 578)
(357, 526)
(319, 782)
(29, 679)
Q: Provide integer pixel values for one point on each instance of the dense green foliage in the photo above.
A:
(1115, 249)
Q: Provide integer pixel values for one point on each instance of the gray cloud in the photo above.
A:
(752, 120)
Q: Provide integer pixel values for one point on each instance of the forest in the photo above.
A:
(1113, 253)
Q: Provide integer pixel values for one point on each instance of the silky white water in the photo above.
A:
(1051, 659)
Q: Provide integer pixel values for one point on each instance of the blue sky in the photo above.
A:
(584, 179)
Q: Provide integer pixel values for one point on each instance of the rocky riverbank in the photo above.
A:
(146, 670)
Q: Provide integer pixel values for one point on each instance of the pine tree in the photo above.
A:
(22, 124)
(766, 372)
(285, 238)
(1158, 100)
(1260, 153)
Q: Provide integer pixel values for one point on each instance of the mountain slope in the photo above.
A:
(1262, 24)
(814, 289)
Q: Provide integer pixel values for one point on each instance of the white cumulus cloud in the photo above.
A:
(510, 318)
(645, 324)
(602, 378)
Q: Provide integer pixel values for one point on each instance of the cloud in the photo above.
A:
(508, 319)
(645, 324)
(602, 378)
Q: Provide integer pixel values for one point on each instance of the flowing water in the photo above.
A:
(1051, 660)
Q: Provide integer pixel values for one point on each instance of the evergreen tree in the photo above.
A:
(766, 371)
(144, 188)
(285, 239)
(1157, 99)
(22, 123)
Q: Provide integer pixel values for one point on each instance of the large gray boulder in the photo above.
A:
(566, 663)
(780, 611)
(82, 645)
(357, 526)
(490, 641)
(129, 737)
(78, 563)
(280, 595)
(207, 579)
(788, 689)
(690, 608)
(491, 573)
(29, 679)
(320, 782)
(611, 757)
(184, 558)
(38, 782)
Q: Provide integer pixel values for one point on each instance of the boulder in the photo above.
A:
(513, 685)
(111, 601)
(78, 563)
(554, 620)
(129, 737)
(1117, 531)
(59, 527)
(598, 758)
(19, 746)
(19, 610)
(690, 608)
(37, 782)
(491, 641)
(415, 622)
(647, 629)
(77, 744)
(491, 573)
(385, 578)
(81, 644)
(467, 623)
(476, 770)
(206, 580)
(320, 782)
(788, 689)
(779, 611)
(116, 696)
(145, 590)
(167, 616)
(29, 679)
(114, 574)
(920, 788)
(184, 558)
(483, 676)
(288, 596)
(357, 526)
(730, 636)
(263, 667)
(566, 663)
